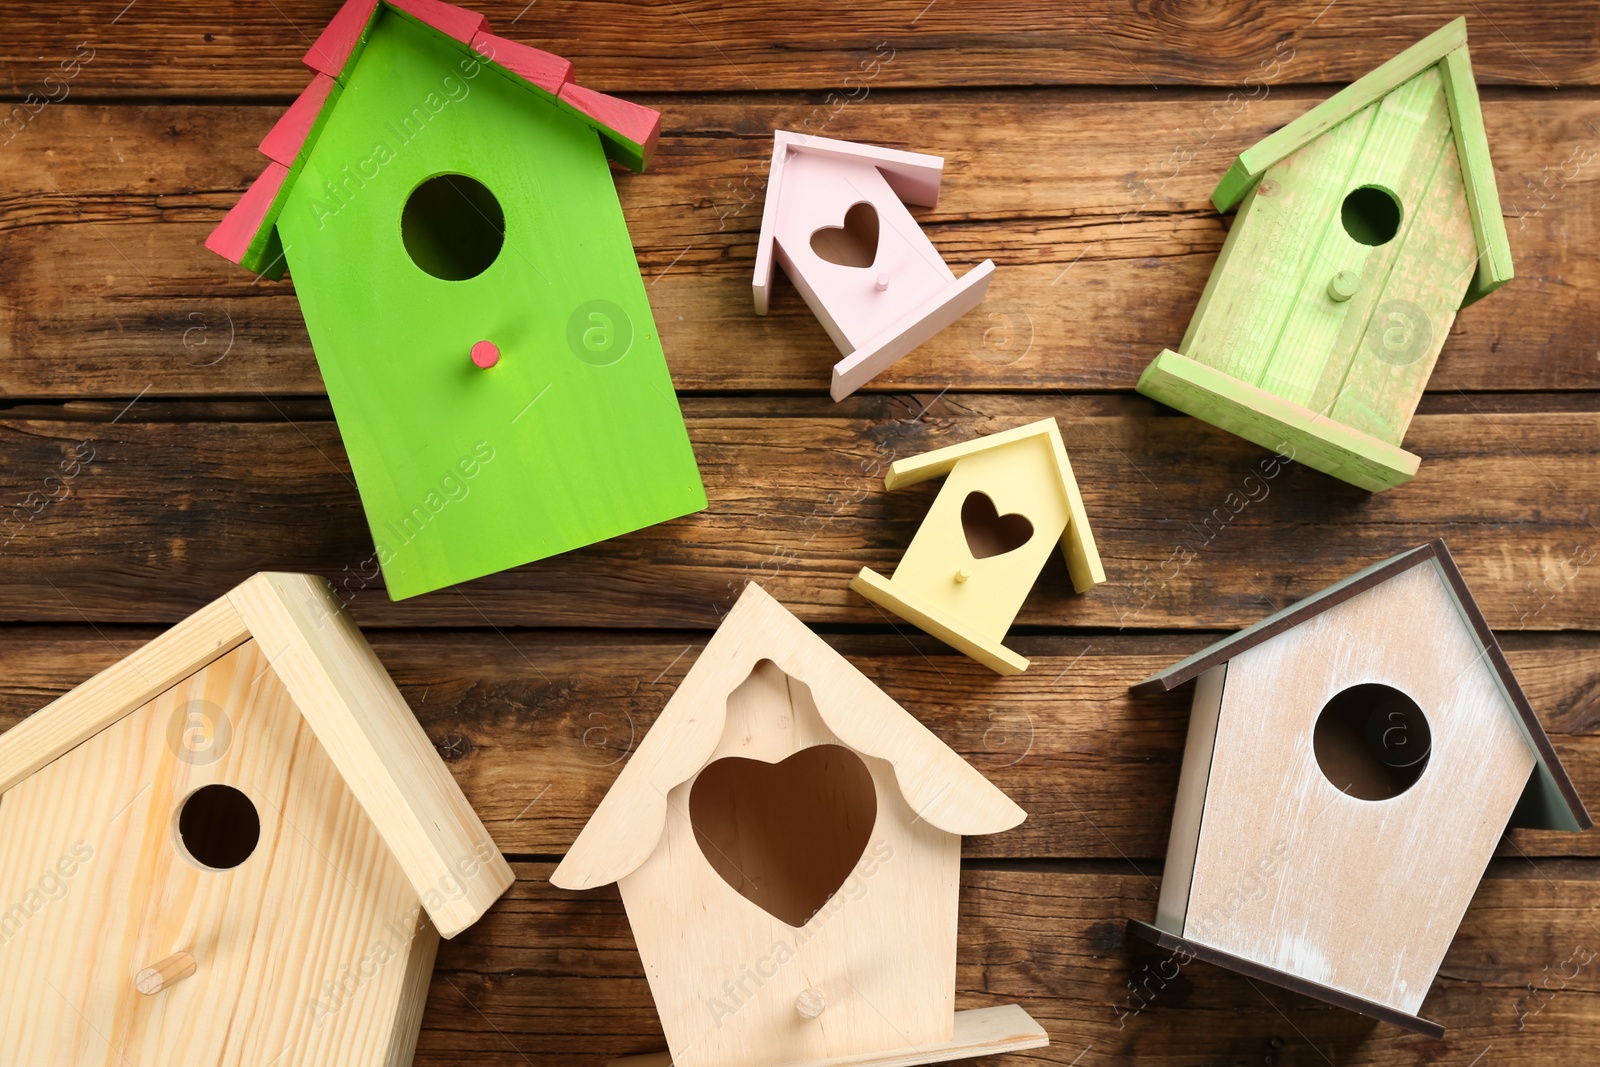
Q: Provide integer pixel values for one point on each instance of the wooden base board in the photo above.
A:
(979, 1032)
(1282, 979)
(881, 591)
(1269, 421)
(876, 355)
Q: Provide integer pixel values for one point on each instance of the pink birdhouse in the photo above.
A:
(836, 219)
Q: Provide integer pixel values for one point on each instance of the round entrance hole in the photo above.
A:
(453, 227)
(1372, 741)
(1370, 215)
(218, 827)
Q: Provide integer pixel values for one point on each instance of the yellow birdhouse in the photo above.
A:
(1006, 499)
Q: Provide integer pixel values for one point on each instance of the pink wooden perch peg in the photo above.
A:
(485, 354)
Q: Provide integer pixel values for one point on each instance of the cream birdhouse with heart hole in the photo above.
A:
(836, 219)
(235, 847)
(1353, 762)
(1007, 500)
(787, 842)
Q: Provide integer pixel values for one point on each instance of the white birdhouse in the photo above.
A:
(1352, 762)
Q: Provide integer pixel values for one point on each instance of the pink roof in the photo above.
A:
(458, 22)
(548, 72)
(238, 228)
(339, 38)
(288, 135)
(629, 131)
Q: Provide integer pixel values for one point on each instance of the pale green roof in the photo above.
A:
(1446, 48)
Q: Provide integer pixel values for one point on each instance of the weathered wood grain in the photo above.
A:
(194, 48)
(506, 992)
(1087, 183)
(1103, 243)
(173, 502)
(536, 725)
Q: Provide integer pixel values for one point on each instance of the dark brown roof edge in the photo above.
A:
(1273, 625)
(1283, 979)
(1519, 700)
(1437, 551)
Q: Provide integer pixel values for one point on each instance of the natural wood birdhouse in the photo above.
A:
(235, 847)
(1007, 500)
(443, 199)
(1352, 762)
(836, 219)
(1363, 226)
(787, 841)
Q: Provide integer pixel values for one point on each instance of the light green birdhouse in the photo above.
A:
(1362, 227)
(443, 200)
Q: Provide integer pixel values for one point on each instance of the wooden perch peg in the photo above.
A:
(810, 1003)
(164, 975)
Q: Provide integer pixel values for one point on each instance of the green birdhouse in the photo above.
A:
(443, 200)
(1362, 227)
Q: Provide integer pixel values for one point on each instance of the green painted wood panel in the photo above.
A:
(1288, 429)
(576, 435)
(1275, 239)
(1399, 154)
(1483, 195)
(1392, 355)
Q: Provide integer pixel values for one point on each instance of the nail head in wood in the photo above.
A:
(485, 354)
(164, 975)
(810, 1003)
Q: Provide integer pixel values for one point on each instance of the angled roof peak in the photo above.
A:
(1077, 542)
(914, 177)
(1550, 801)
(941, 787)
(1445, 48)
(345, 696)
(248, 235)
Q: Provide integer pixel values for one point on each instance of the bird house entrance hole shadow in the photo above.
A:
(990, 533)
(785, 835)
(218, 827)
(1372, 741)
(1370, 215)
(453, 227)
(855, 244)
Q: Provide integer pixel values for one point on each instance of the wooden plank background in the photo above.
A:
(1082, 142)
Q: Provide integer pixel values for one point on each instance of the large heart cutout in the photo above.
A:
(990, 533)
(785, 835)
(855, 244)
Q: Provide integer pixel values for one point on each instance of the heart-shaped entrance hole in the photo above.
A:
(855, 244)
(990, 533)
(785, 835)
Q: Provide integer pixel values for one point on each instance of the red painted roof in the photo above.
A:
(629, 131)
(339, 38)
(238, 229)
(288, 135)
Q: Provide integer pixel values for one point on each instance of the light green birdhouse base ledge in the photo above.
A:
(992, 654)
(1256, 415)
